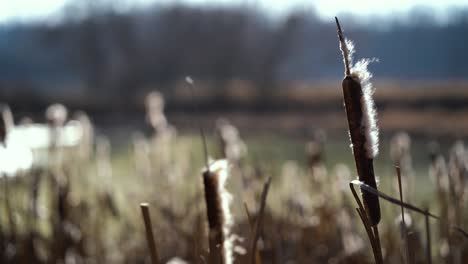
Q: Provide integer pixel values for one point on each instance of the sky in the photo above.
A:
(33, 10)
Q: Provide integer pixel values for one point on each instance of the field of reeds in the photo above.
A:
(218, 194)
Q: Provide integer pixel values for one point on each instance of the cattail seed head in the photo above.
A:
(218, 201)
(86, 144)
(232, 146)
(314, 153)
(103, 158)
(438, 173)
(361, 74)
(155, 110)
(400, 153)
(458, 169)
(400, 147)
(361, 115)
(56, 115)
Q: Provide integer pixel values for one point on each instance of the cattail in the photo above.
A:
(315, 157)
(340, 182)
(155, 110)
(141, 153)
(361, 114)
(219, 216)
(103, 157)
(56, 115)
(86, 144)
(439, 174)
(400, 146)
(352, 242)
(149, 233)
(413, 239)
(458, 169)
(232, 146)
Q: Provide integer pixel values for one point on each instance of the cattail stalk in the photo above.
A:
(428, 238)
(191, 85)
(149, 233)
(258, 223)
(372, 232)
(362, 128)
(8, 207)
(219, 217)
(405, 234)
(249, 218)
(366, 188)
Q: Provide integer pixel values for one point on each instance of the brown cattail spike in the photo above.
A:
(56, 115)
(219, 217)
(353, 100)
(210, 181)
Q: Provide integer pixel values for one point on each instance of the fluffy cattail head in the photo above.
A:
(218, 201)
(408, 224)
(103, 157)
(439, 173)
(155, 100)
(458, 154)
(343, 176)
(6, 122)
(360, 72)
(400, 147)
(458, 169)
(87, 141)
(56, 115)
(232, 146)
(155, 110)
(314, 151)
(361, 115)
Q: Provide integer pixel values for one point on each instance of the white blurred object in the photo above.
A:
(176, 260)
(38, 136)
(25, 145)
(14, 157)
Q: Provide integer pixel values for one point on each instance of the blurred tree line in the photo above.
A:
(105, 50)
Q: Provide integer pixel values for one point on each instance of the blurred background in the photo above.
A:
(265, 86)
(248, 58)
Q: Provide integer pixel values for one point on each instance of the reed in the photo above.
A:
(218, 213)
(359, 106)
(403, 222)
(149, 233)
(258, 223)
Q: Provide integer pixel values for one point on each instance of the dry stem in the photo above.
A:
(372, 232)
(149, 233)
(259, 220)
(405, 234)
